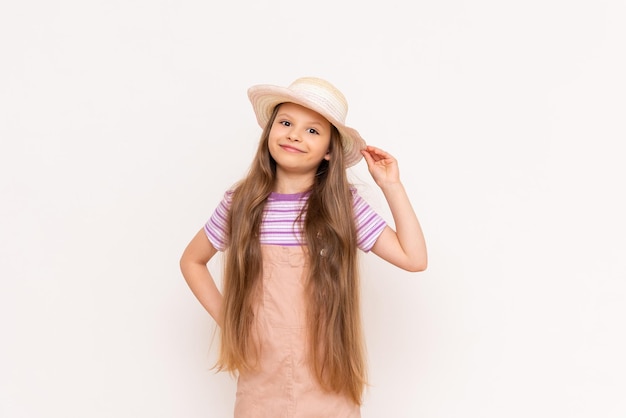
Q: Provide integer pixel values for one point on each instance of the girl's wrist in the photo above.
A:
(391, 186)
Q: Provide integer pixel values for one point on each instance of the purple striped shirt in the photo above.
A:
(279, 226)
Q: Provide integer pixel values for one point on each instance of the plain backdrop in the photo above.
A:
(122, 123)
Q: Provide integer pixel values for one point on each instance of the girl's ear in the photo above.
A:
(327, 156)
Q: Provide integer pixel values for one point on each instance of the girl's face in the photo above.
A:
(299, 139)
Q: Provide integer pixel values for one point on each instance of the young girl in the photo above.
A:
(289, 313)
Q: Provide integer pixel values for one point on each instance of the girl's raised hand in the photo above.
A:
(382, 166)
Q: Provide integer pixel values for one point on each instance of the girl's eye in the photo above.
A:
(312, 131)
(285, 123)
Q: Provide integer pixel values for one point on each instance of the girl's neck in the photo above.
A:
(291, 184)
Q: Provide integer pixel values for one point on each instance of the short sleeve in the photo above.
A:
(369, 224)
(216, 226)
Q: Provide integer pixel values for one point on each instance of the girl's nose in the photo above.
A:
(293, 136)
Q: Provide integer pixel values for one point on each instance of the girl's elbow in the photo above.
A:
(417, 265)
(182, 264)
(185, 262)
(416, 268)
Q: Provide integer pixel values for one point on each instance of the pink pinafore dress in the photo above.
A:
(283, 385)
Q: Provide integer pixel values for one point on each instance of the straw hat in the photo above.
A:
(318, 95)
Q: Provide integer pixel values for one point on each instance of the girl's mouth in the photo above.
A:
(289, 148)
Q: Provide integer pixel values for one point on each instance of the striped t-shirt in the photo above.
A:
(280, 225)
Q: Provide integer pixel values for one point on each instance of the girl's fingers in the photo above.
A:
(374, 153)
(368, 157)
(373, 150)
(377, 153)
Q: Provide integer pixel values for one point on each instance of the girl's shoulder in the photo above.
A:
(354, 191)
(228, 196)
(356, 195)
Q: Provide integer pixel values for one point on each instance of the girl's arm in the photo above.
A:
(193, 265)
(405, 247)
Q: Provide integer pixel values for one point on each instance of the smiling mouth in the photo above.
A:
(289, 148)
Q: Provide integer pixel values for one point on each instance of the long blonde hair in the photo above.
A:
(333, 304)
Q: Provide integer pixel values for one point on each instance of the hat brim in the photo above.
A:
(265, 98)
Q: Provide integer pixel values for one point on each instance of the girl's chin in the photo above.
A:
(299, 169)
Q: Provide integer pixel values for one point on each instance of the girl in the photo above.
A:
(289, 313)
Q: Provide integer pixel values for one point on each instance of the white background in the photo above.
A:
(123, 122)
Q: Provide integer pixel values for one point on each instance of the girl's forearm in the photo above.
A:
(408, 229)
(204, 289)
